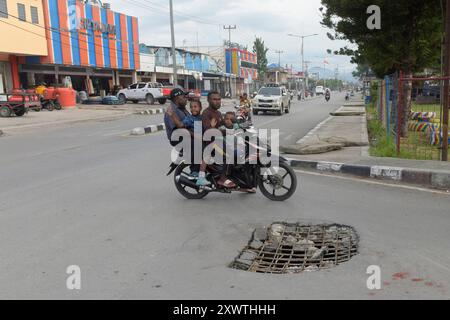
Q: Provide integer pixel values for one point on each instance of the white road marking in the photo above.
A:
(446, 268)
(374, 182)
(117, 133)
(260, 125)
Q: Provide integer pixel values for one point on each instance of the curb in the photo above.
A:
(147, 130)
(151, 111)
(429, 178)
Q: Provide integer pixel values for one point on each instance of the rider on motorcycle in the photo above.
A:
(243, 113)
(327, 94)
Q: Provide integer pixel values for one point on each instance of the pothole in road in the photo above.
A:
(294, 248)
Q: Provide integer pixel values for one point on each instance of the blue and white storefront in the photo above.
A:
(195, 70)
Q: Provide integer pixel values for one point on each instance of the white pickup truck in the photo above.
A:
(272, 98)
(320, 90)
(142, 91)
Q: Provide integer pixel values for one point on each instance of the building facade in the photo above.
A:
(86, 41)
(23, 34)
(244, 65)
(195, 70)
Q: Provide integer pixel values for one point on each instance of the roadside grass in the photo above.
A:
(415, 146)
(428, 108)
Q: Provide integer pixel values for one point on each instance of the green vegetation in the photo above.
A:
(415, 146)
(428, 108)
(409, 39)
(260, 49)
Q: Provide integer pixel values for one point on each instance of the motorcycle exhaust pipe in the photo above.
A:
(185, 181)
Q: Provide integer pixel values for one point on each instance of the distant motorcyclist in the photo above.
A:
(327, 94)
(245, 107)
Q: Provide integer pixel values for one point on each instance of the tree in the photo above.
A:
(260, 49)
(409, 39)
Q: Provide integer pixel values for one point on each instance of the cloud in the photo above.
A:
(270, 19)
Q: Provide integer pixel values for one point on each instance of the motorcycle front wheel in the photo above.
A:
(185, 186)
(278, 183)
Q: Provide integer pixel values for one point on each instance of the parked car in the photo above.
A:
(272, 98)
(142, 91)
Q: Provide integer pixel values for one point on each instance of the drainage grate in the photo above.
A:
(294, 248)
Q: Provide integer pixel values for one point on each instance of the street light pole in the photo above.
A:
(229, 28)
(174, 57)
(279, 56)
(303, 54)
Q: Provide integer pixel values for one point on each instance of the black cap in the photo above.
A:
(176, 93)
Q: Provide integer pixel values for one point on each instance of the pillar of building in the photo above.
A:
(154, 77)
(14, 71)
(134, 75)
(57, 74)
(186, 82)
(117, 77)
(31, 79)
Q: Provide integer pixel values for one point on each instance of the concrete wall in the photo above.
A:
(20, 37)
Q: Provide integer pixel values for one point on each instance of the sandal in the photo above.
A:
(252, 190)
(227, 183)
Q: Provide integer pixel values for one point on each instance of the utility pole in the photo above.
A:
(445, 107)
(279, 56)
(174, 57)
(229, 28)
(305, 85)
(306, 74)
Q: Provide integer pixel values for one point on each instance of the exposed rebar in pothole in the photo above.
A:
(294, 248)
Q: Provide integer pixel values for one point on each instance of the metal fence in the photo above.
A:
(425, 124)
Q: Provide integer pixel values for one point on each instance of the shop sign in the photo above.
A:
(88, 24)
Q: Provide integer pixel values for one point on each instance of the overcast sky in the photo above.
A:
(270, 19)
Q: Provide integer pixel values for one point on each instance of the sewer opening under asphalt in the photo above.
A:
(294, 248)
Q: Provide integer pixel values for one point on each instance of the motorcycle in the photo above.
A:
(50, 105)
(327, 97)
(243, 114)
(277, 182)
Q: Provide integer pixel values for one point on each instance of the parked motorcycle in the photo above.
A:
(277, 181)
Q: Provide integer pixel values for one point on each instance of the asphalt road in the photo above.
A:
(90, 195)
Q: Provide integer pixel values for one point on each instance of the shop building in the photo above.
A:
(195, 70)
(242, 64)
(23, 35)
(86, 41)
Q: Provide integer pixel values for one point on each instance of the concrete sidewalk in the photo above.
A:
(345, 128)
(45, 118)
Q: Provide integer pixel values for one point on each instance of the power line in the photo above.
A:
(206, 21)
(157, 9)
(229, 28)
(60, 41)
(166, 11)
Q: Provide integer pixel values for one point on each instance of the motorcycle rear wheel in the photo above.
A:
(187, 191)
